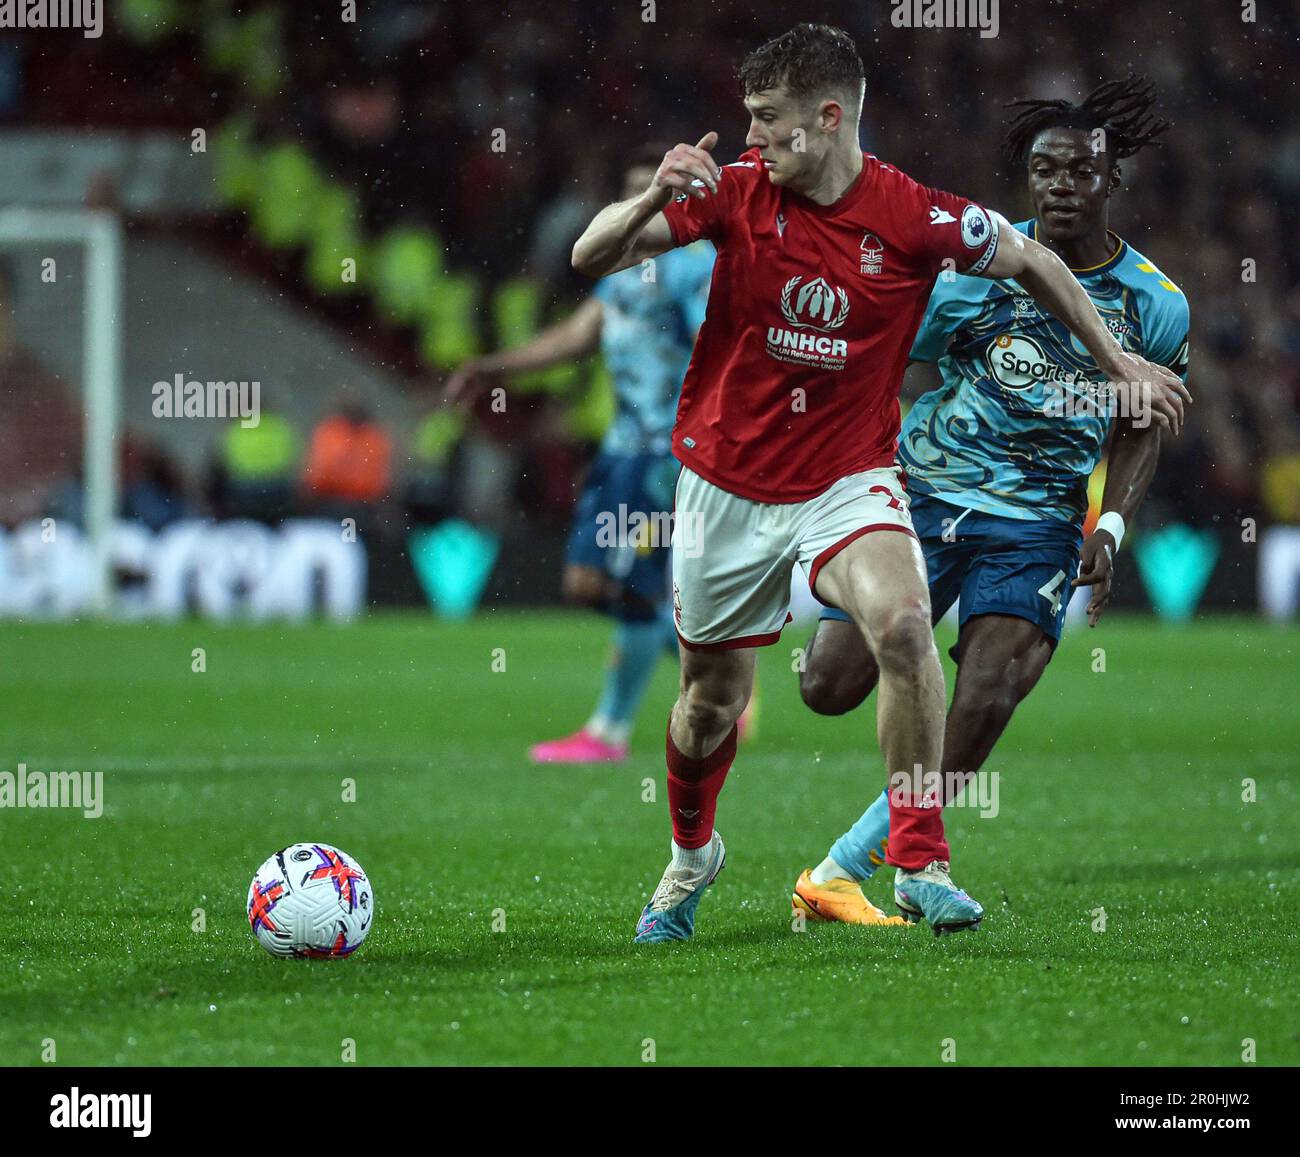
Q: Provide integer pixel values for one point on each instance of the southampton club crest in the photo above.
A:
(818, 304)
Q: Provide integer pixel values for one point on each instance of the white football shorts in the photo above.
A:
(733, 557)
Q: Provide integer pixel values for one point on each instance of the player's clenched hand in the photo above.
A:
(1151, 392)
(1096, 564)
(684, 164)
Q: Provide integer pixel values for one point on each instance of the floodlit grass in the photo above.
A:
(1119, 790)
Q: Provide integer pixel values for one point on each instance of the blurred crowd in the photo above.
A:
(344, 471)
(502, 127)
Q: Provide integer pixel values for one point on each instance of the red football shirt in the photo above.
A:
(794, 380)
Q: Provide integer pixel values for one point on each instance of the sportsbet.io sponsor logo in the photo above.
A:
(811, 306)
(1018, 363)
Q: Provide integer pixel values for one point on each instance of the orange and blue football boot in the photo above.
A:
(930, 893)
(838, 900)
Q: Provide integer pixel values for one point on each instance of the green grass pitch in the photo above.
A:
(1120, 789)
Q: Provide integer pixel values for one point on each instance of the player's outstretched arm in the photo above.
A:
(1130, 466)
(1047, 279)
(630, 231)
(575, 337)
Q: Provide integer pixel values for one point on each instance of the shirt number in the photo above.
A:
(1051, 591)
(893, 502)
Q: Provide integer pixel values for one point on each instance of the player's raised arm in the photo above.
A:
(630, 231)
(1048, 280)
(575, 337)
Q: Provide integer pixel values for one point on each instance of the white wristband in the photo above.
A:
(1113, 523)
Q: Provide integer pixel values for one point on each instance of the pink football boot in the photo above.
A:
(580, 747)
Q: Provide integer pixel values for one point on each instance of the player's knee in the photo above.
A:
(710, 711)
(832, 693)
(818, 692)
(905, 638)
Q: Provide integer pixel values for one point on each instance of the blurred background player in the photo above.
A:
(643, 320)
(998, 457)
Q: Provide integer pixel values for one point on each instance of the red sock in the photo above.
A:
(693, 787)
(915, 833)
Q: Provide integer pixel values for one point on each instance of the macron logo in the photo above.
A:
(939, 216)
(78, 1110)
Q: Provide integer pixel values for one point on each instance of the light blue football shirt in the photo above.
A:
(1018, 424)
(651, 314)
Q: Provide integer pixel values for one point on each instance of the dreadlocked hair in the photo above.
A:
(1120, 108)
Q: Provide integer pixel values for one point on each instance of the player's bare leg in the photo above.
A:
(700, 746)
(715, 687)
(879, 580)
(1002, 657)
(839, 671)
(838, 674)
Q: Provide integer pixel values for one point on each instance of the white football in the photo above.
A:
(310, 900)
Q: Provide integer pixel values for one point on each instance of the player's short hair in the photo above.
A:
(811, 60)
(1120, 108)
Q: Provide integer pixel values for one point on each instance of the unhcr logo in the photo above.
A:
(817, 304)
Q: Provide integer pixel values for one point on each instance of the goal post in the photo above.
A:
(99, 232)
